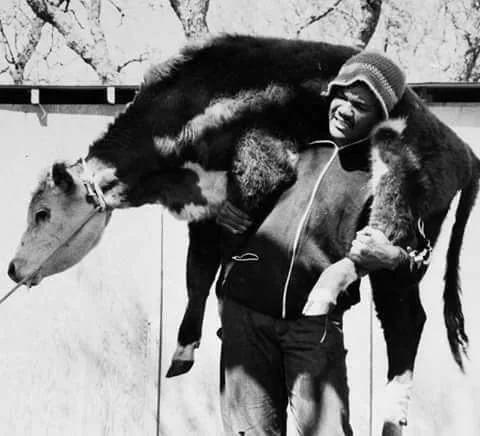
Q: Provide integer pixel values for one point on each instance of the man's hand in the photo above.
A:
(371, 250)
(233, 219)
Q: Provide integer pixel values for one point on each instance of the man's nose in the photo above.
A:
(346, 110)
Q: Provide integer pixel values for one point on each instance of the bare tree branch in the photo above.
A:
(118, 9)
(471, 58)
(33, 38)
(18, 60)
(74, 15)
(50, 48)
(313, 18)
(466, 22)
(9, 55)
(67, 4)
(140, 58)
(94, 19)
(193, 16)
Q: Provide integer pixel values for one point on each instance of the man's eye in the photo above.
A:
(42, 216)
(360, 107)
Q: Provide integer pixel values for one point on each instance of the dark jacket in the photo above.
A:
(311, 226)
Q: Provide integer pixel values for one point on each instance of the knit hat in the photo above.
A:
(382, 76)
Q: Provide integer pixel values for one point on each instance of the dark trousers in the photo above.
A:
(268, 364)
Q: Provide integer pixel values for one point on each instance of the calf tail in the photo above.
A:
(454, 320)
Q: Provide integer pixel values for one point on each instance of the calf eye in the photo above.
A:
(42, 216)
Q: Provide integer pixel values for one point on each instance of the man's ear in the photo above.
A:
(62, 178)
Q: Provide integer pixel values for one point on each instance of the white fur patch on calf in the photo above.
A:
(398, 125)
(213, 186)
(165, 145)
(229, 109)
(379, 168)
(292, 157)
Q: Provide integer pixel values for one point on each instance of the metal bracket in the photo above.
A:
(111, 97)
(35, 100)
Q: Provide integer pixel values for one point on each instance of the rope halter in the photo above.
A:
(94, 192)
(94, 195)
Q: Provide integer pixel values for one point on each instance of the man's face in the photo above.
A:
(353, 112)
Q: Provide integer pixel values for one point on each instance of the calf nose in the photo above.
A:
(11, 272)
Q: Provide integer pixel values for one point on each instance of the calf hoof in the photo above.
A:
(183, 359)
(392, 429)
(179, 367)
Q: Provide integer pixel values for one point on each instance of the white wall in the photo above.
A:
(80, 351)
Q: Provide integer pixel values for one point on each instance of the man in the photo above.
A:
(272, 355)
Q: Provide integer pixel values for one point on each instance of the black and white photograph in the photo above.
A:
(239, 217)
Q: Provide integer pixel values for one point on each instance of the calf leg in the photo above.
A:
(203, 260)
(393, 169)
(262, 167)
(402, 318)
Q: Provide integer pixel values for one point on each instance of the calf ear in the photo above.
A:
(166, 145)
(62, 178)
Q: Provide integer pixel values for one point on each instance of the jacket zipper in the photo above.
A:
(303, 220)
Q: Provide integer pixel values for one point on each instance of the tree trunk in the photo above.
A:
(193, 16)
(89, 43)
(371, 10)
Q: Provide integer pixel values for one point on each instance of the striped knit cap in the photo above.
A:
(384, 78)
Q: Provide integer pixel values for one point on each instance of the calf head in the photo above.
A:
(62, 226)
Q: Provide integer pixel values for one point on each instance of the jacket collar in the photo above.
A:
(340, 147)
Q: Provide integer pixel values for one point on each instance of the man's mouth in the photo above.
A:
(341, 123)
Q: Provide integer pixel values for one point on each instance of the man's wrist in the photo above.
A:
(401, 258)
(233, 219)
